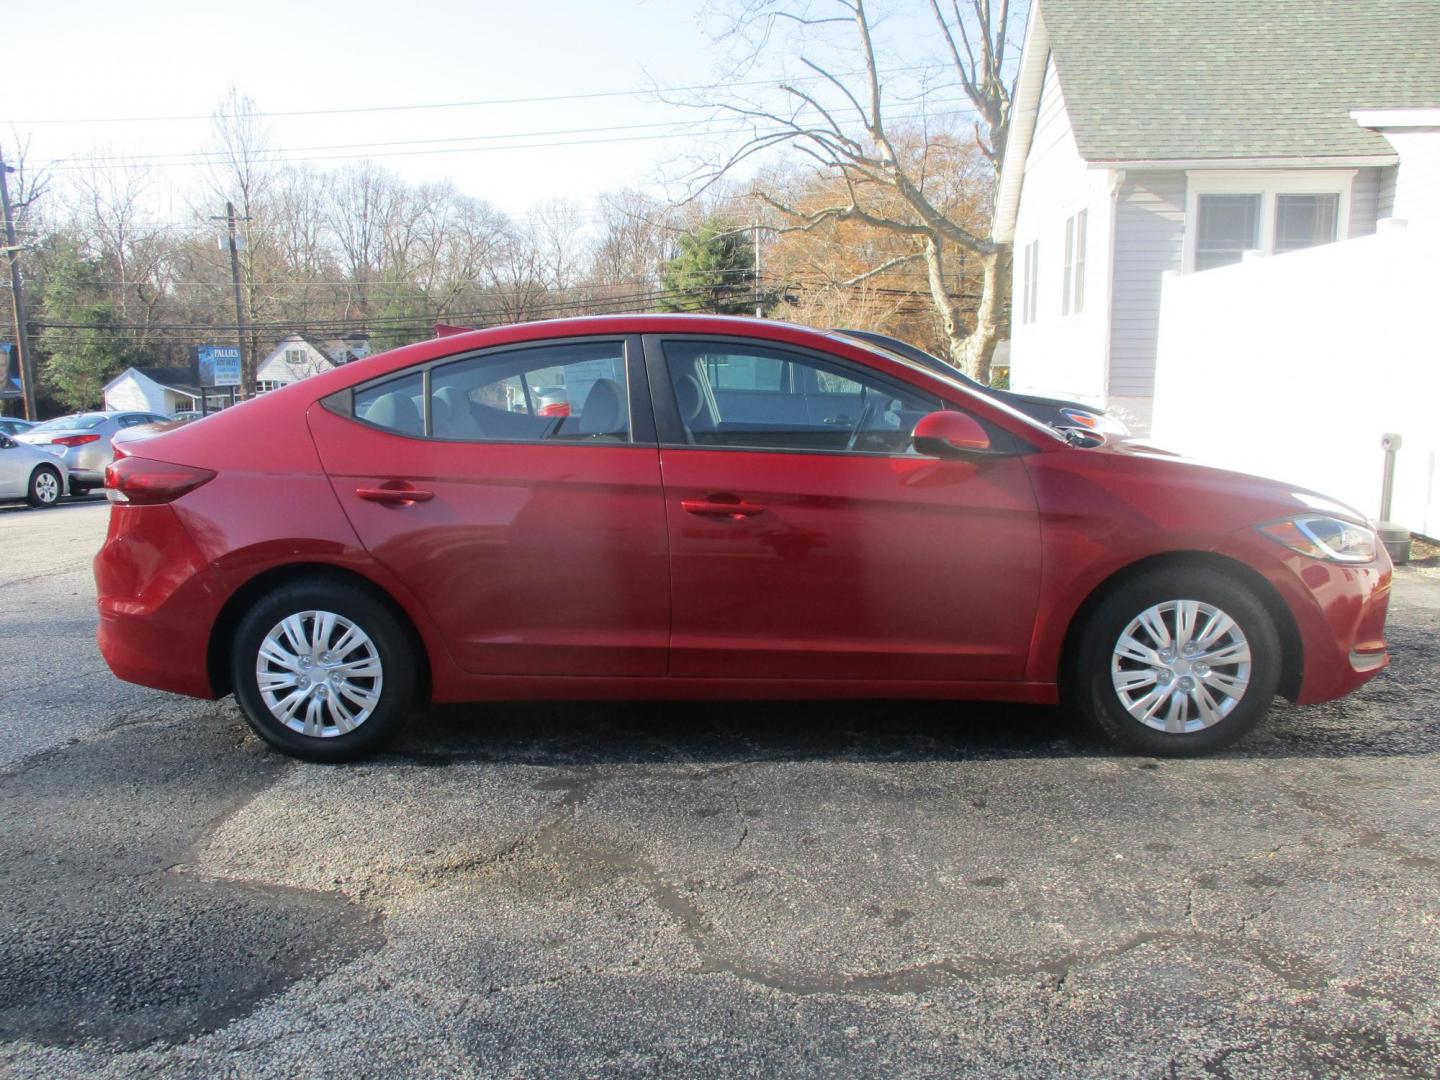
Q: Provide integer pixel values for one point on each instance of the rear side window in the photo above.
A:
(573, 392)
(395, 405)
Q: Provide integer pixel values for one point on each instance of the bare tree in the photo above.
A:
(842, 123)
(361, 201)
(241, 173)
(637, 236)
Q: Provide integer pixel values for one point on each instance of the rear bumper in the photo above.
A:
(1339, 612)
(157, 601)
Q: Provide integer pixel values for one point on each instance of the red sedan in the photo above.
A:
(727, 508)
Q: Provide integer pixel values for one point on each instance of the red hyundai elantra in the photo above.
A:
(726, 508)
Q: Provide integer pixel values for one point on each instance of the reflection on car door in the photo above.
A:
(536, 542)
(810, 547)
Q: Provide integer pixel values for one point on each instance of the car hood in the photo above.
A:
(1197, 474)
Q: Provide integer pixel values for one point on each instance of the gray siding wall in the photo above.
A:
(1385, 198)
(1149, 239)
(1364, 201)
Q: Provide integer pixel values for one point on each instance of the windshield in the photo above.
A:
(972, 388)
(80, 421)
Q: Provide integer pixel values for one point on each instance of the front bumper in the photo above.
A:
(1338, 609)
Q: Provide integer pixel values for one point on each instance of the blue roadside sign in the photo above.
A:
(218, 365)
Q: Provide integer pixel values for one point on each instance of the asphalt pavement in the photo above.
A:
(854, 889)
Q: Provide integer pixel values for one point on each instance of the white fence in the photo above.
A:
(1294, 366)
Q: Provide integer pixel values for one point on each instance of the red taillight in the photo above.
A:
(558, 408)
(74, 440)
(140, 481)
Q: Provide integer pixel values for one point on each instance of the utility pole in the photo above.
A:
(759, 308)
(239, 306)
(17, 296)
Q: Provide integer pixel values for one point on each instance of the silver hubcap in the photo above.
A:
(47, 488)
(1181, 666)
(319, 674)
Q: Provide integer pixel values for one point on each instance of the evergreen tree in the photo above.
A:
(81, 357)
(714, 271)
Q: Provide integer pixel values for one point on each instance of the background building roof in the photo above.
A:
(1189, 80)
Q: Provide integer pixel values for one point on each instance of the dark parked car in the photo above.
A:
(729, 508)
(1054, 411)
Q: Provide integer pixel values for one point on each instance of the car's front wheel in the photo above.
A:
(324, 671)
(45, 486)
(1177, 662)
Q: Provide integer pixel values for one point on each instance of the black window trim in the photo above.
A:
(642, 416)
(671, 429)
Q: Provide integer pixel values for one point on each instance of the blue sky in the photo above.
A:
(92, 60)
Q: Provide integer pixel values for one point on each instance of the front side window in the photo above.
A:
(1228, 226)
(802, 403)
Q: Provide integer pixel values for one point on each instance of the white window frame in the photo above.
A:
(1030, 294)
(1267, 184)
(1072, 288)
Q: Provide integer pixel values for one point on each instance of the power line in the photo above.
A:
(279, 156)
(586, 96)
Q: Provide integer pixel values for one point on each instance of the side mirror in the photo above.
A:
(5, 441)
(950, 435)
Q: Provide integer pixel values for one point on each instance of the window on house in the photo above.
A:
(1227, 227)
(295, 357)
(1072, 300)
(1069, 266)
(1030, 281)
(1303, 221)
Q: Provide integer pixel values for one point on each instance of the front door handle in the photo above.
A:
(734, 509)
(394, 496)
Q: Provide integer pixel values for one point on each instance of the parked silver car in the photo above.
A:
(29, 473)
(83, 442)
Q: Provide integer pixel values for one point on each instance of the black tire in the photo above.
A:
(398, 656)
(1093, 689)
(45, 488)
(79, 491)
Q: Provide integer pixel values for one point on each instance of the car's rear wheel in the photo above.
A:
(1177, 662)
(45, 487)
(324, 671)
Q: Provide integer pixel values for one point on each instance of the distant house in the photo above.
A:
(153, 389)
(1178, 136)
(298, 357)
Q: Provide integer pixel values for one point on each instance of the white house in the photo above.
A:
(1174, 136)
(297, 357)
(1295, 365)
(153, 389)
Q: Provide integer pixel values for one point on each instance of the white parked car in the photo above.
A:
(29, 473)
(82, 442)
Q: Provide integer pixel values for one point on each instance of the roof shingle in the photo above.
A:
(1185, 80)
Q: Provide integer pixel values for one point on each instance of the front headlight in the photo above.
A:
(1095, 421)
(1323, 537)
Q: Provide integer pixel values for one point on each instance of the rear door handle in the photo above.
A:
(394, 496)
(735, 510)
